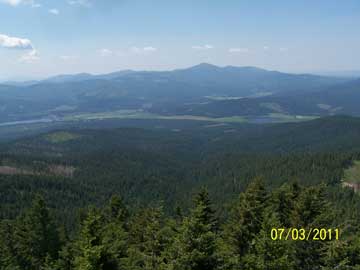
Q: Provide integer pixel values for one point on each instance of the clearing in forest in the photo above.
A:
(352, 174)
(61, 136)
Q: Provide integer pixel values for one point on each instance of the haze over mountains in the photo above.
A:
(202, 90)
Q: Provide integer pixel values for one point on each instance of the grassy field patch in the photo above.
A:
(61, 136)
(352, 174)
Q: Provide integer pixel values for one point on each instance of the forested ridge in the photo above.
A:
(113, 237)
(127, 202)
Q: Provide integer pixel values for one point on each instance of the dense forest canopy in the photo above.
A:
(120, 198)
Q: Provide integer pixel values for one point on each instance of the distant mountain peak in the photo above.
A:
(207, 67)
(69, 77)
(204, 66)
(248, 68)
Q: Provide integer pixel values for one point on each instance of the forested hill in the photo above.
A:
(151, 91)
(155, 172)
(338, 133)
(338, 99)
(329, 133)
(148, 165)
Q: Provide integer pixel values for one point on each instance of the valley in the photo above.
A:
(201, 92)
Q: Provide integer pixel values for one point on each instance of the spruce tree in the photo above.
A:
(103, 240)
(37, 237)
(267, 253)
(9, 257)
(117, 210)
(244, 224)
(91, 251)
(312, 211)
(148, 241)
(195, 246)
(283, 203)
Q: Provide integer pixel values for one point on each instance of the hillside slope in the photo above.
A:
(68, 94)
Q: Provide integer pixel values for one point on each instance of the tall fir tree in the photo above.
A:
(312, 211)
(283, 202)
(148, 240)
(37, 237)
(117, 210)
(269, 254)
(195, 246)
(91, 251)
(245, 222)
(9, 257)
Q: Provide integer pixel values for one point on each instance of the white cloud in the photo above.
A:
(15, 3)
(85, 3)
(54, 11)
(15, 42)
(204, 47)
(239, 50)
(30, 57)
(147, 49)
(20, 44)
(105, 52)
(132, 50)
(12, 2)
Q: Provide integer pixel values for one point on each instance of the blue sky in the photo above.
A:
(39, 38)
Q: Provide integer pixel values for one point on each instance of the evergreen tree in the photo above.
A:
(91, 250)
(195, 246)
(283, 203)
(115, 242)
(335, 257)
(66, 258)
(117, 210)
(268, 254)
(148, 241)
(245, 222)
(311, 211)
(8, 255)
(37, 237)
(353, 251)
(103, 241)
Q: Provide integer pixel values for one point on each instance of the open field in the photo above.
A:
(19, 129)
(352, 174)
(143, 115)
(128, 114)
(59, 137)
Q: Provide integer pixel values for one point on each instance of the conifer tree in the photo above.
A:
(267, 253)
(66, 257)
(245, 222)
(283, 203)
(311, 211)
(91, 250)
(103, 240)
(37, 237)
(195, 246)
(148, 241)
(116, 210)
(8, 255)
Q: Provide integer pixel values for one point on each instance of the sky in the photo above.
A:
(41, 38)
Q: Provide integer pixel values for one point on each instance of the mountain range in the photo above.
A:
(202, 90)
